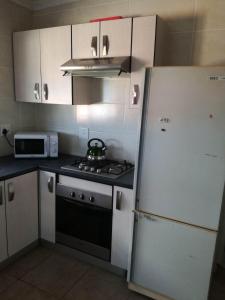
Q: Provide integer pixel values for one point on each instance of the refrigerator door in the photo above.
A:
(182, 167)
(172, 259)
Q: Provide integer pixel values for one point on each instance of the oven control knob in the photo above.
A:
(99, 171)
(81, 196)
(86, 168)
(72, 194)
(91, 199)
(92, 169)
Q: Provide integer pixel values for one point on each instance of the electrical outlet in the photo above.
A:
(5, 126)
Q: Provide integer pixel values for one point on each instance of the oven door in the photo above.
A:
(84, 227)
(30, 146)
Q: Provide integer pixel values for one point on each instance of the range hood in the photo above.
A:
(100, 68)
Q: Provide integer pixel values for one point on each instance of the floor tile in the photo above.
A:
(22, 291)
(135, 296)
(97, 284)
(5, 281)
(57, 274)
(28, 262)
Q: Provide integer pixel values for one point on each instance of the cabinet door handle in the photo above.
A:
(94, 45)
(1, 195)
(118, 200)
(105, 42)
(135, 94)
(51, 184)
(45, 89)
(36, 91)
(11, 191)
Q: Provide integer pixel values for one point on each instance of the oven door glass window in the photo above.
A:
(89, 226)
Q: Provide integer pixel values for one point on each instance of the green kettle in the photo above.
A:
(96, 152)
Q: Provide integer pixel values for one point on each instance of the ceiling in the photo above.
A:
(40, 4)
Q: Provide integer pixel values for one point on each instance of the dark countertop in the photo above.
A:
(11, 167)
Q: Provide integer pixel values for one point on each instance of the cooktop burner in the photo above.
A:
(105, 168)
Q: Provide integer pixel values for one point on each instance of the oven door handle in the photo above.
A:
(80, 204)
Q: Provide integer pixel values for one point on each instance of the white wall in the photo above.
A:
(20, 116)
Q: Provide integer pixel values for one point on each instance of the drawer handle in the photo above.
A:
(51, 184)
(36, 91)
(11, 191)
(1, 195)
(118, 200)
(135, 93)
(45, 89)
(94, 44)
(105, 42)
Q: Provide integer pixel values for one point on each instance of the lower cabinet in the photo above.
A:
(3, 238)
(123, 204)
(47, 205)
(21, 195)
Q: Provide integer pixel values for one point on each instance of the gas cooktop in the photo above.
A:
(105, 168)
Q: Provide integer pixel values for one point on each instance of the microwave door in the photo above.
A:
(31, 147)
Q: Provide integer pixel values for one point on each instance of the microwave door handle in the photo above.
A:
(46, 150)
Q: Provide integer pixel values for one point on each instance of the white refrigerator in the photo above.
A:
(180, 183)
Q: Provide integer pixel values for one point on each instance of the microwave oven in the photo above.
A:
(35, 144)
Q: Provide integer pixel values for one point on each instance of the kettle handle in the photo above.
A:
(98, 140)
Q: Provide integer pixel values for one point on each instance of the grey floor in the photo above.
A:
(46, 274)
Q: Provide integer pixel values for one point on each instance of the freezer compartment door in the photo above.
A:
(172, 259)
(183, 152)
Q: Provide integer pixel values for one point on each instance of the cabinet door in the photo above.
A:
(172, 259)
(21, 211)
(115, 38)
(47, 205)
(26, 47)
(3, 239)
(123, 204)
(55, 51)
(85, 40)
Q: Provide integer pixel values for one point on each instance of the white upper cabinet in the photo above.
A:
(3, 238)
(55, 51)
(85, 40)
(38, 55)
(102, 39)
(26, 46)
(21, 211)
(115, 38)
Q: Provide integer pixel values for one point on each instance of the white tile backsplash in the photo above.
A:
(101, 116)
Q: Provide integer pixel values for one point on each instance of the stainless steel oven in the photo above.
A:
(84, 220)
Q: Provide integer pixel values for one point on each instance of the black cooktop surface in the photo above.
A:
(104, 168)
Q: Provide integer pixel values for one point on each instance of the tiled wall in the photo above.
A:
(197, 27)
(20, 116)
(196, 36)
(112, 120)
